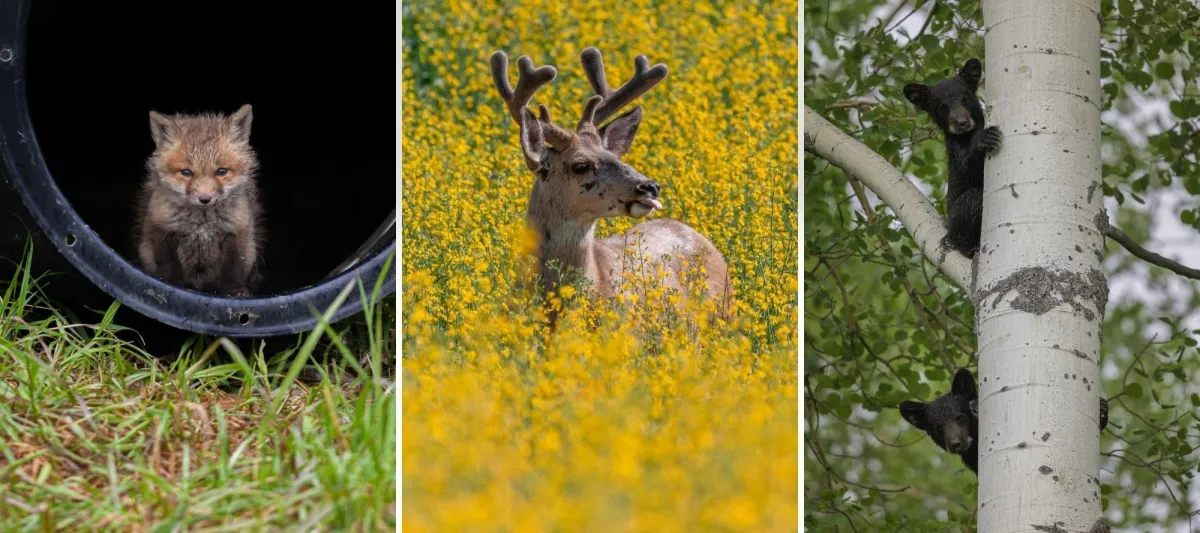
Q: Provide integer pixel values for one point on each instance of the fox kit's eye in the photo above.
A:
(580, 168)
(222, 171)
(187, 173)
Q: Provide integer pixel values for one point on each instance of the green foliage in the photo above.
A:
(97, 435)
(881, 325)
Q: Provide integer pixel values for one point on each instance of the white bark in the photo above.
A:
(918, 214)
(1039, 291)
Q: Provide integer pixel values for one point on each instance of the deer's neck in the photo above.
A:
(569, 243)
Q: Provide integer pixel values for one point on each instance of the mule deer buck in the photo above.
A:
(580, 179)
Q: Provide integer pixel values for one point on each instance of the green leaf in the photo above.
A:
(1178, 109)
(1134, 390)
(1164, 70)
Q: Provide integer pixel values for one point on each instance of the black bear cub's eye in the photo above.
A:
(580, 168)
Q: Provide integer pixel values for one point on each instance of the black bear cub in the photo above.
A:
(952, 420)
(955, 109)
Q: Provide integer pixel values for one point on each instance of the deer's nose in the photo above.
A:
(648, 188)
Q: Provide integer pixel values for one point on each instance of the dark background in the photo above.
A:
(321, 78)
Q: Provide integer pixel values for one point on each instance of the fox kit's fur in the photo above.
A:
(199, 209)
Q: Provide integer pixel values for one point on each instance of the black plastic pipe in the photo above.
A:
(31, 203)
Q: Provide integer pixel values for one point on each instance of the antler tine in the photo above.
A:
(589, 114)
(644, 79)
(529, 80)
(593, 67)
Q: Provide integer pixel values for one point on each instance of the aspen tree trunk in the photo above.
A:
(1038, 289)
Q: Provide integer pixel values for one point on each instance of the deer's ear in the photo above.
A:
(532, 140)
(618, 134)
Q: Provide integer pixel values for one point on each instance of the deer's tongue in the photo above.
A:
(651, 202)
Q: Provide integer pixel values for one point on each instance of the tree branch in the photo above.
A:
(1136, 249)
(913, 208)
(915, 211)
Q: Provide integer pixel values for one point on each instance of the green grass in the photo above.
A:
(96, 435)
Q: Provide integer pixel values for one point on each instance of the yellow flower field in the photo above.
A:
(627, 417)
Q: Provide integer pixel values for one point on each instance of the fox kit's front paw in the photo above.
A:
(990, 138)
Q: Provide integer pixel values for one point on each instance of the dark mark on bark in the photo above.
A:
(1101, 221)
(1040, 289)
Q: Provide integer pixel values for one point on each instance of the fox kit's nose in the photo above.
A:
(648, 188)
(205, 199)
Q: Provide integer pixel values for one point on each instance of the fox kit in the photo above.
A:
(199, 210)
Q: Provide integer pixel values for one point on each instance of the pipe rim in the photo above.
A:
(286, 313)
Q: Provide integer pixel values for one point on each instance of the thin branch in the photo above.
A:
(1138, 251)
(908, 286)
(852, 104)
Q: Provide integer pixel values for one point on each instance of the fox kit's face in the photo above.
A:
(202, 158)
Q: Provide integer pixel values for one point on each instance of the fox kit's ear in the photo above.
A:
(618, 134)
(239, 123)
(161, 129)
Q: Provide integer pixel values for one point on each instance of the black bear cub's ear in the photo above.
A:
(914, 413)
(971, 72)
(917, 94)
(964, 385)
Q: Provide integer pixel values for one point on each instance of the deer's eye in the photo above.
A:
(222, 171)
(187, 172)
(580, 168)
